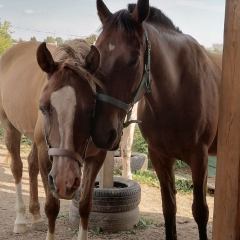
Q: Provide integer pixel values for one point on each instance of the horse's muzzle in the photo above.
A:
(64, 184)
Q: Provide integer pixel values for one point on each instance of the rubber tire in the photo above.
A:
(137, 161)
(114, 222)
(114, 209)
(108, 222)
(113, 200)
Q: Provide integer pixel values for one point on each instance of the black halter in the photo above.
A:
(144, 86)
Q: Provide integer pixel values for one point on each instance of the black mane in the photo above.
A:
(123, 19)
(157, 16)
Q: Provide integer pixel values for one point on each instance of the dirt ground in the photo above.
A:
(150, 209)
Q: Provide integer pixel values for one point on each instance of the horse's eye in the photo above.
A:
(45, 109)
(133, 61)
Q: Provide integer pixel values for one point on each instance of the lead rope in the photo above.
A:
(128, 118)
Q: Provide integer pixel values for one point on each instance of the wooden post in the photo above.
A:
(226, 224)
(106, 172)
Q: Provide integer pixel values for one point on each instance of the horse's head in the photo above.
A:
(67, 103)
(123, 49)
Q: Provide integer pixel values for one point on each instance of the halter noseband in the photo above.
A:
(61, 152)
(145, 85)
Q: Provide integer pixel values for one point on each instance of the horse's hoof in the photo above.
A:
(50, 236)
(39, 224)
(20, 228)
(75, 237)
(36, 218)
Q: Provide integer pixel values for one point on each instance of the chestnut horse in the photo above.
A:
(143, 55)
(66, 98)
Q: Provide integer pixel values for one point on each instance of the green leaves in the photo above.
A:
(139, 144)
(5, 36)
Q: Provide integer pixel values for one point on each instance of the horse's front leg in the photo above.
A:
(12, 141)
(91, 168)
(126, 150)
(164, 169)
(34, 206)
(52, 205)
(126, 145)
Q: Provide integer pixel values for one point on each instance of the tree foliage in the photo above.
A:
(57, 40)
(5, 36)
(139, 144)
(50, 39)
(33, 39)
(91, 39)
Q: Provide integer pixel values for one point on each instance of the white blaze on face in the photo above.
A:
(111, 47)
(64, 101)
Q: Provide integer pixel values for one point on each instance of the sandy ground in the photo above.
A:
(150, 209)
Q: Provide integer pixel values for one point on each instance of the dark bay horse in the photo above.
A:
(141, 54)
(65, 95)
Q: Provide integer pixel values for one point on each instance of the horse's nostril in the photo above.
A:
(72, 188)
(51, 182)
(112, 136)
(76, 183)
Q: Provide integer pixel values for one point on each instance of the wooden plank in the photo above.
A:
(106, 172)
(226, 224)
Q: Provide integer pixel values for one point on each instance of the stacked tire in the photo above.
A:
(138, 161)
(114, 209)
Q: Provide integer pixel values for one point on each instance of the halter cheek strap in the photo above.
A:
(144, 87)
(113, 101)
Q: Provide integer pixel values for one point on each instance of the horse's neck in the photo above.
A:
(178, 63)
(165, 68)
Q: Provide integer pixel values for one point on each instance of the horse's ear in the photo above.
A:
(92, 60)
(103, 12)
(141, 10)
(45, 59)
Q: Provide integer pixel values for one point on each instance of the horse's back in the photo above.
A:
(21, 82)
